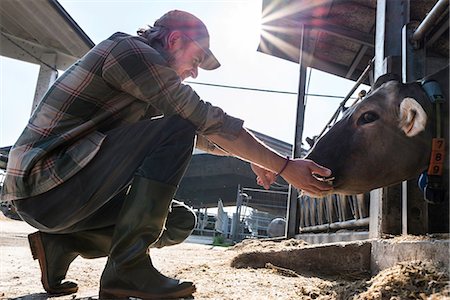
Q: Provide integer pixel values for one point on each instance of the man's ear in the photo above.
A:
(174, 40)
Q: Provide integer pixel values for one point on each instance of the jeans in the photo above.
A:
(158, 149)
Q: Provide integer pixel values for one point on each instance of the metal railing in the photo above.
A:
(333, 213)
(206, 223)
(255, 210)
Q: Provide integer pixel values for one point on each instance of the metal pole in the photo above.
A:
(263, 191)
(292, 218)
(47, 75)
(404, 207)
(391, 16)
(350, 224)
(413, 68)
(237, 215)
(430, 20)
(301, 99)
(355, 86)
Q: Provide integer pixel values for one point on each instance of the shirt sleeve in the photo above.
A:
(135, 68)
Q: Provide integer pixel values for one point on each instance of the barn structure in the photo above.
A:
(359, 40)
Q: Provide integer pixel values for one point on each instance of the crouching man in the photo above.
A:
(97, 166)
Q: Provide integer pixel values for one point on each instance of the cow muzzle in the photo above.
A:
(329, 179)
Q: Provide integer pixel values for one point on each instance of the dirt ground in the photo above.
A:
(210, 268)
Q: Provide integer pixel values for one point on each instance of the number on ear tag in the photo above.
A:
(437, 157)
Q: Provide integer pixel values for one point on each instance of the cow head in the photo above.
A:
(384, 139)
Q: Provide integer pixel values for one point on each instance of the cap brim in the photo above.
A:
(209, 62)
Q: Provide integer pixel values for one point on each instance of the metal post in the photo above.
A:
(404, 208)
(46, 77)
(413, 59)
(385, 204)
(414, 209)
(430, 20)
(379, 38)
(237, 217)
(292, 218)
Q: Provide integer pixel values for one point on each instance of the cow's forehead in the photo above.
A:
(388, 88)
(388, 97)
(393, 92)
(395, 88)
(385, 93)
(380, 98)
(392, 86)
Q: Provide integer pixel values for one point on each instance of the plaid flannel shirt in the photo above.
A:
(120, 81)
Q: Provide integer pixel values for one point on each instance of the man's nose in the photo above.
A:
(194, 72)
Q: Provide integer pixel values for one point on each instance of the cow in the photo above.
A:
(385, 138)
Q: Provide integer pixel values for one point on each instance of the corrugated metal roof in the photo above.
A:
(40, 26)
(342, 34)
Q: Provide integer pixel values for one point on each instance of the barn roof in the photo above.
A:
(40, 26)
(342, 39)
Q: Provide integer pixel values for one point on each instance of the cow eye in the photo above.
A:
(367, 117)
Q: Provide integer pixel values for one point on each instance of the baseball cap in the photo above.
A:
(194, 29)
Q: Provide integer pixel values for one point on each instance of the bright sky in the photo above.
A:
(234, 27)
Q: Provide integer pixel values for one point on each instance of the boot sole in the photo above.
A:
(38, 252)
(125, 294)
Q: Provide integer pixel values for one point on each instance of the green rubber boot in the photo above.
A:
(129, 271)
(56, 252)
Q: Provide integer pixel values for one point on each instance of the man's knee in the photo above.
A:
(170, 152)
(182, 128)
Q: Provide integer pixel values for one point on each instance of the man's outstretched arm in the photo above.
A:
(297, 172)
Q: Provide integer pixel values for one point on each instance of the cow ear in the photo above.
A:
(412, 117)
(385, 78)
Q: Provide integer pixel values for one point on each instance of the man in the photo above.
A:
(98, 164)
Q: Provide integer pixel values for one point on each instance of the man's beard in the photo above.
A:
(168, 57)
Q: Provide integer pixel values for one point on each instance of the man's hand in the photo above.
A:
(299, 173)
(263, 177)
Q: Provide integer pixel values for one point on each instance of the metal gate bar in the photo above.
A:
(333, 212)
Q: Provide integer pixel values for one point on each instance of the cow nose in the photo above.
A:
(329, 179)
